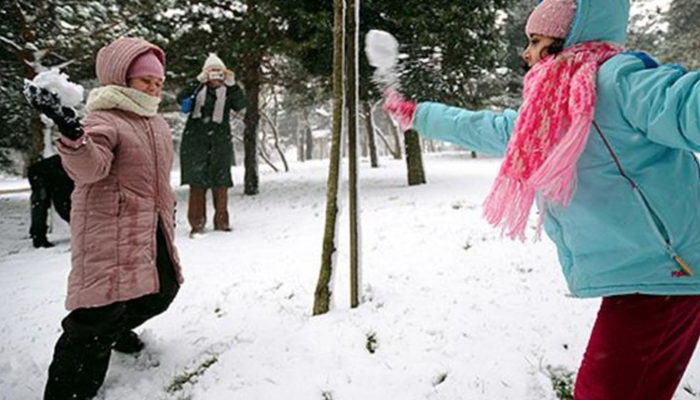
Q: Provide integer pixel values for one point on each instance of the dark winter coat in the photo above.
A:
(206, 151)
(50, 184)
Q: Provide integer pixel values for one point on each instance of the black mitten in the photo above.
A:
(49, 104)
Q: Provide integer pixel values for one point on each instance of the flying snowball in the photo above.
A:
(382, 49)
(71, 94)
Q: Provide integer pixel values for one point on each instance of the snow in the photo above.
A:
(71, 94)
(456, 311)
(382, 51)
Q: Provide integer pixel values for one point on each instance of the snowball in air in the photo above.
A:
(382, 49)
(71, 94)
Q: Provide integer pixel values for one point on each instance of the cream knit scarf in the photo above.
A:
(219, 105)
(122, 98)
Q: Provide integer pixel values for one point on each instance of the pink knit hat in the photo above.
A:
(147, 64)
(552, 18)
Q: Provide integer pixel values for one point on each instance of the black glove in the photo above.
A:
(49, 104)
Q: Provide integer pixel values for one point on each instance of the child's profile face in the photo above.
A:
(536, 49)
(151, 85)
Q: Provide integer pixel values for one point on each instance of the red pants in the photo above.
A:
(639, 348)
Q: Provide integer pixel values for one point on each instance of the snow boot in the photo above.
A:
(41, 242)
(128, 343)
(197, 209)
(221, 220)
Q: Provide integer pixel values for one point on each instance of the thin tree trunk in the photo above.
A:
(264, 154)
(397, 141)
(322, 295)
(387, 145)
(351, 95)
(374, 160)
(414, 158)
(308, 136)
(299, 138)
(276, 138)
(266, 158)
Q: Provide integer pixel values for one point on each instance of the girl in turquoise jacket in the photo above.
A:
(603, 144)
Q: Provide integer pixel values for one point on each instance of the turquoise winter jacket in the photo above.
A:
(625, 224)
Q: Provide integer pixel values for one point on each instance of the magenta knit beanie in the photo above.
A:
(147, 64)
(552, 18)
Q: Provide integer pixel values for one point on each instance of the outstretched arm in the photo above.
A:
(482, 131)
(661, 102)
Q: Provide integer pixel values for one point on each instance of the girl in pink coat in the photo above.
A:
(125, 268)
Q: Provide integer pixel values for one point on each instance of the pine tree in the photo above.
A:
(683, 38)
(37, 34)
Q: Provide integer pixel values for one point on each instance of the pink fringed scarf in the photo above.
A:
(550, 134)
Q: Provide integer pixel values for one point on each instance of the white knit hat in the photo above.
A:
(213, 61)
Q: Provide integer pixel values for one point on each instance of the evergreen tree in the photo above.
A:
(647, 30)
(683, 38)
(37, 34)
(251, 36)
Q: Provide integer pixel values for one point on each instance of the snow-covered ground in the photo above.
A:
(451, 310)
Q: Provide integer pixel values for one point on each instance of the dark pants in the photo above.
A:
(639, 348)
(82, 353)
(50, 184)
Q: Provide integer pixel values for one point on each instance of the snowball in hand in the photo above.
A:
(71, 94)
(382, 49)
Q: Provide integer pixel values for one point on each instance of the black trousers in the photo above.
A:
(82, 353)
(50, 184)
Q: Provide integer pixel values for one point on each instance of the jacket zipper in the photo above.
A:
(655, 222)
(152, 139)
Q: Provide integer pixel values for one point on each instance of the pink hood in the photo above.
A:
(113, 60)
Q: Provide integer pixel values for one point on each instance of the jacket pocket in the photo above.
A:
(655, 222)
(662, 233)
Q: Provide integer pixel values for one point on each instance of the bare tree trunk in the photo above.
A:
(387, 145)
(233, 154)
(369, 120)
(414, 159)
(322, 295)
(352, 95)
(267, 160)
(397, 141)
(299, 138)
(263, 153)
(308, 136)
(276, 137)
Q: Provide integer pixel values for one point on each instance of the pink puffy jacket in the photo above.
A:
(122, 192)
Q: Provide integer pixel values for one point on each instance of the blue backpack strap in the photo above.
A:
(648, 61)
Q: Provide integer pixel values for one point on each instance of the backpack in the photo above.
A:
(188, 103)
